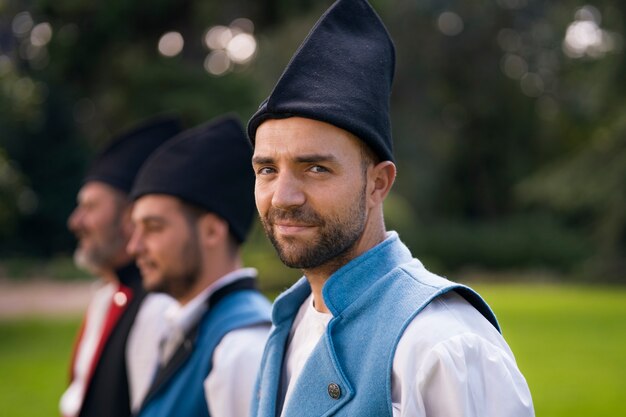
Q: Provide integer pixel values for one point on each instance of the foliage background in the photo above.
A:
(509, 125)
(509, 122)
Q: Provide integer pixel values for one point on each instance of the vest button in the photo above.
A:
(334, 391)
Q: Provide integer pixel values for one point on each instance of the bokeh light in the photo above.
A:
(242, 24)
(217, 63)
(514, 66)
(229, 46)
(241, 48)
(171, 44)
(41, 34)
(585, 38)
(22, 24)
(450, 23)
(218, 37)
(532, 84)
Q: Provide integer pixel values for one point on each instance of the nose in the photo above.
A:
(287, 191)
(135, 243)
(74, 220)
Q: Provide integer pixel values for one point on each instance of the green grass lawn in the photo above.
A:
(34, 355)
(570, 343)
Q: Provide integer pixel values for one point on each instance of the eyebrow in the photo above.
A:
(262, 160)
(307, 158)
(150, 219)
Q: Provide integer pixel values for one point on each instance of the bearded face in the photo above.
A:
(332, 239)
(166, 245)
(311, 191)
(97, 223)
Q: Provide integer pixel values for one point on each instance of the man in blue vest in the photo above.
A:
(108, 366)
(194, 205)
(367, 331)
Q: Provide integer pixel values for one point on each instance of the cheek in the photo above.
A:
(156, 246)
(261, 198)
(101, 220)
(172, 246)
(339, 200)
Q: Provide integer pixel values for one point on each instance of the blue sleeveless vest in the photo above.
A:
(183, 393)
(372, 299)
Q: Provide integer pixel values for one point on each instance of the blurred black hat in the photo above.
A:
(118, 163)
(342, 75)
(208, 166)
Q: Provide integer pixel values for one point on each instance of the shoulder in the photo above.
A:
(451, 351)
(149, 325)
(238, 344)
(151, 310)
(239, 352)
(448, 317)
(450, 333)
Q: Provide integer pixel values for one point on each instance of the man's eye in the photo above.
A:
(318, 169)
(153, 228)
(266, 171)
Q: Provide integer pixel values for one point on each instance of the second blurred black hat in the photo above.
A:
(118, 163)
(208, 166)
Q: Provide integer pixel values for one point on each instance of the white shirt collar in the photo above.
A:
(183, 317)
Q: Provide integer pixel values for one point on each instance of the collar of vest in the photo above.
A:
(347, 283)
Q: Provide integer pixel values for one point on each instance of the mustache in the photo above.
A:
(298, 215)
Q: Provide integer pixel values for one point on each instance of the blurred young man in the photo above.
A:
(367, 331)
(105, 377)
(194, 206)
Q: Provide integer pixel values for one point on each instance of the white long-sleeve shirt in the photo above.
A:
(449, 362)
(142, 347)
(72, 399)
(229, 385)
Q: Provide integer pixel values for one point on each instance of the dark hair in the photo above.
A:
(192, 214)
(368, 157)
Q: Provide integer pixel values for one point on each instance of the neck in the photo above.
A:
(211, 274)
(108, 276)
(318, 276)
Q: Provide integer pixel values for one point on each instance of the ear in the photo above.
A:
(381, 178)
(212, 230)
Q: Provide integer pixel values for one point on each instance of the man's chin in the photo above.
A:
(83, 262)
(152, 283)
(293, 259)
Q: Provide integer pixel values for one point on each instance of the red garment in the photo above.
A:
(118, 303)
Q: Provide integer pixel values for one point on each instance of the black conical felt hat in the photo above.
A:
(342, 75)
(119, 162)
(207, 166)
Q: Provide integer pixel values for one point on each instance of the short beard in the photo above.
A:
(335, 242)
(101, 258)
(179, 284)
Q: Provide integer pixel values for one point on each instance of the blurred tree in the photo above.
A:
(591, 185)
(487, 95)
(74, 73)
